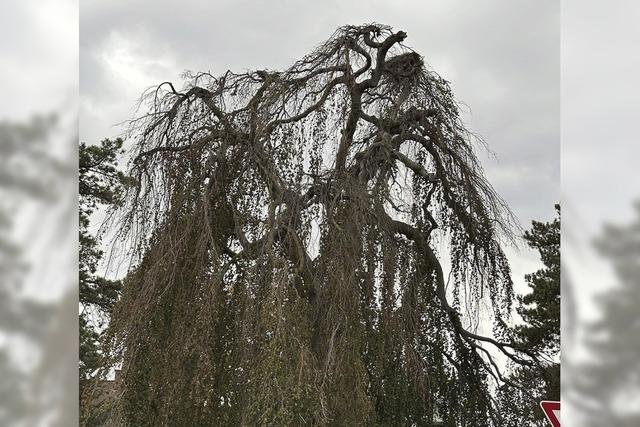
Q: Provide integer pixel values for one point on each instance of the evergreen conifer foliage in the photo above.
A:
(540, 309)
(539, 332)
(606, 385)
(100, 184)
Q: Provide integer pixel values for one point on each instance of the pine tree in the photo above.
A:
(29, 175)
(540, 309)
(606, 387)
(539, 332)
(100, 185)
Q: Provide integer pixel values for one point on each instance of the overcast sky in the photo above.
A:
(501, 57)
(38, 64)
(600, 149)
(39, 76)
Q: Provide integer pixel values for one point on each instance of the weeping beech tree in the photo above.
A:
(286, 234)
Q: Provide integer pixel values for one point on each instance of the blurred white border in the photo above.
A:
(38, 192)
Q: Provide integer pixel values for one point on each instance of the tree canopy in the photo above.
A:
(539, 331)
(100, 185)
(286, 237)
(605, 386)
(540, 309)
(34, 333)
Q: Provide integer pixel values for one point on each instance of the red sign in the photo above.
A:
(552, 411)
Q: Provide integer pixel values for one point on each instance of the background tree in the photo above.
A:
(605, 388)
(540, 331)
(287, 230)
(100, 184)
(540, 309)
(20, 143)
(32, 328)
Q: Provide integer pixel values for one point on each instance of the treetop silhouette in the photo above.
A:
(284, 235)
